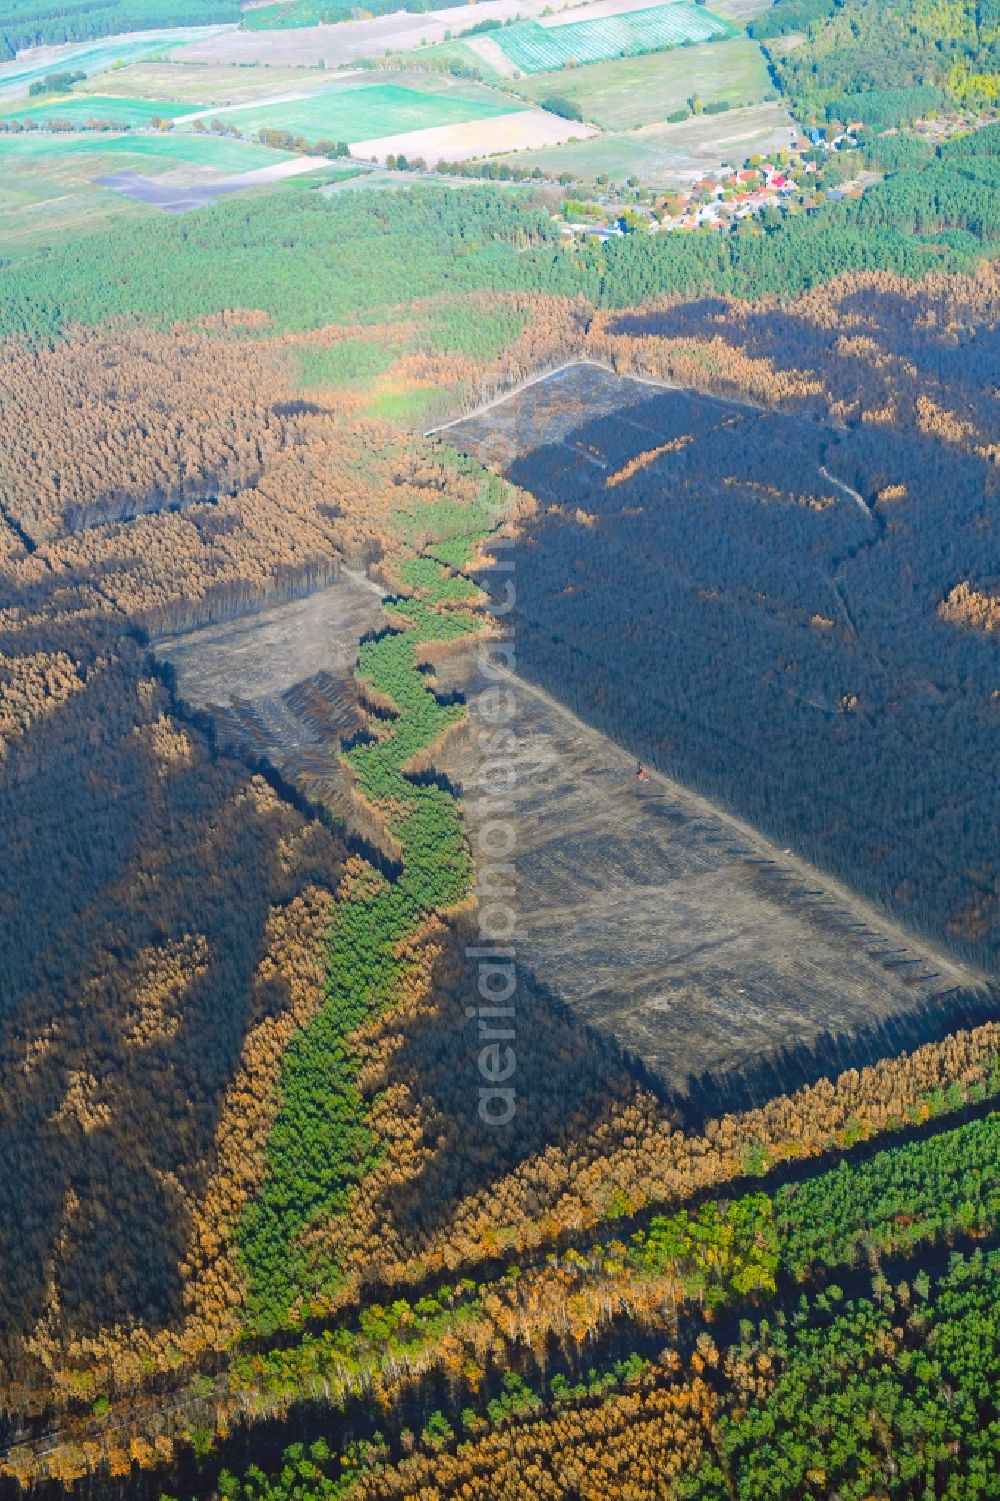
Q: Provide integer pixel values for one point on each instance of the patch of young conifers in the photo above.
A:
(320, 1146)
(833, 1388)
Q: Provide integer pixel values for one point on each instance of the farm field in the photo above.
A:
(625, 92)
(48, 183)
(484, 52)
(662, 155)
(200, 85)
(368, 108)
(525, 129)
(741, 11)
(402, 31)
(174, 197)
(80, 108)
(536, 47)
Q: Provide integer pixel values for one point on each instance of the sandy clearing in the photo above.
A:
(454, 143)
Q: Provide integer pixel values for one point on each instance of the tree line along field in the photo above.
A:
(298, 1149)
(299, 13)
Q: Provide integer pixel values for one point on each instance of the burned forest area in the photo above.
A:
(750, 601)
(264, 495)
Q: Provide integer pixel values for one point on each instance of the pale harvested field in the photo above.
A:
(399, 32)
(488, 51)
(675, 928)
(522, 130)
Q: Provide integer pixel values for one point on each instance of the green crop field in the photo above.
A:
(79, 108)
(537, 49)
(363, 110)
(632, 91)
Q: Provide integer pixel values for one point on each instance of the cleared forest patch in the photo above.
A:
(278, 684)
(691, 939)
(710, 586)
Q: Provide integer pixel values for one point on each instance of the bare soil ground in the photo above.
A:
(674, 927)
(545, 408)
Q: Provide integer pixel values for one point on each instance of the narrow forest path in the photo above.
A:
(854, 495)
